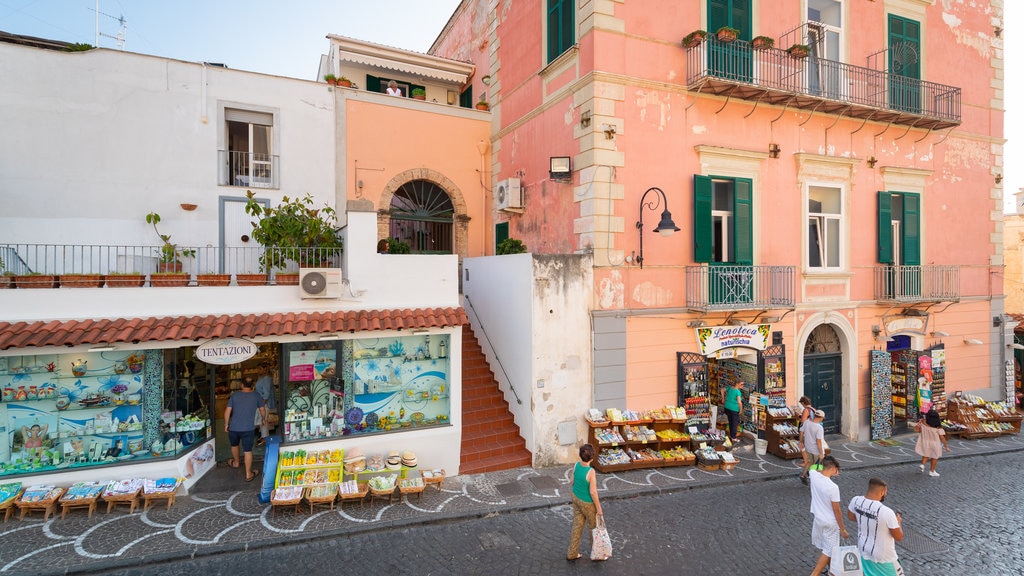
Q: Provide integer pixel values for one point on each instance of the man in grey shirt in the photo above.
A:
(812, 437)
(239, 417)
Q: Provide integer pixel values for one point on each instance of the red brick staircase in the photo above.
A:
(490, 437)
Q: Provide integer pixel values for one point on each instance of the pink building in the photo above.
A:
(838, 208)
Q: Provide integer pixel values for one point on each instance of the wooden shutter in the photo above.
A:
(743, 231)
(703, 230)
(373, 84)
(884, 228)
(911, 229)
(500, 233)
(466, 98)
(718, 14)
(740, 17)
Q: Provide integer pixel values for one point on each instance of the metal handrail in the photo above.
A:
(740, 287)
(926, 283)
(496, 357)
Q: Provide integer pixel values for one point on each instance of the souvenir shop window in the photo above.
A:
(366, 386)
(61, 411)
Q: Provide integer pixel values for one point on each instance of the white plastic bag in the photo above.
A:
(845, 562)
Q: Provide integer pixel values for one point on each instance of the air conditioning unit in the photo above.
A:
(320, 282)
(509, 194)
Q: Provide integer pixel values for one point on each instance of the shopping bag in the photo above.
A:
(845, 562)
(601, 542)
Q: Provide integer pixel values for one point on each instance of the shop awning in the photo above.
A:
(113, 330)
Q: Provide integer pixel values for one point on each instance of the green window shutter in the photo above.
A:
(703, 231)
(500, 233)
(561, 27)
(372, 84)
(466, 98)
(743, 231)
(911, 229)
(718, 14)
(568, 32)
(885, 228)
(740, 17)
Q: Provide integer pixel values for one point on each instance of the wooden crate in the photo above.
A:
(47, 507)
(131, 500)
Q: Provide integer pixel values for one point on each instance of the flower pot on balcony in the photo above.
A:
(125, 280)
(213, 279)
(36, 281)
(81, 281)
(762, 43)
(6, 281)
(166, 279)
(727, 34)
(168, 267)
(799, 51)
(251, 279)
(693, 39)
(286, 278)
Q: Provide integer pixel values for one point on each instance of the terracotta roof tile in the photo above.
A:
(114, 330)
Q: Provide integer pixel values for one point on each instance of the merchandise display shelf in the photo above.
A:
(658, 444)
(777, 440)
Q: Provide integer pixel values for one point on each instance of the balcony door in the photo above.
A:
(723, 228)
(899, 242)
(730, 60)
(824, 36)
(904, 64)
(250, 157)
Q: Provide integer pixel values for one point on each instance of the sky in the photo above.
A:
(287, 38)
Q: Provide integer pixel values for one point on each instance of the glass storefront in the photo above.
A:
(62, 411)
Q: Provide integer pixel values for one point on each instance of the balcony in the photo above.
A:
(249, 169)
(112, 261)
(910, 284)
(773, 76)
(731, 287)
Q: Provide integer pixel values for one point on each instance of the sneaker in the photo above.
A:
(933, 473)
(921, 468)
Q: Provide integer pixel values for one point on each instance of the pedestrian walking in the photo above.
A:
(265, 388)
(828, 526)
(586, 506)
(879, 528)
(929, 440)
(812, 442)
(239, 416)
(807, 412)
(733, 407)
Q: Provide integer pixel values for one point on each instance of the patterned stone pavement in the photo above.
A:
(231, 522)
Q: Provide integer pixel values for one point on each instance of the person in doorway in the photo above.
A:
(239, 416)
(586, 506)
(265, 388)
(733, 407)
(931, 435)
(879, 528)
(393, 89)
(812, 442)
(828, 526)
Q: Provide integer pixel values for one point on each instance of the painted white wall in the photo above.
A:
(499, 291)
(95, 140)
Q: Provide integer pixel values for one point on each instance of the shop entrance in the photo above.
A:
(823, 368)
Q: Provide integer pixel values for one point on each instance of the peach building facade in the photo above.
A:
(830, 206)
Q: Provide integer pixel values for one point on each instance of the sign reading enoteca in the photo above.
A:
(711, 339)
(224, 351)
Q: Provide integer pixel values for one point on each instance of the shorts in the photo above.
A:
(872, 568)
(246, 438)
(825, 537)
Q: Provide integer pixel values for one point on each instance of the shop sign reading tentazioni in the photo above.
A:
(711, 339)
(224, 351)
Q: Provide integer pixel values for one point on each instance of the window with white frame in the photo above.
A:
(824, 227)
(251, 161)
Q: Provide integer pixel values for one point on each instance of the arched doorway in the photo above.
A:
(421, 216)
(823, 375)
(413, 200)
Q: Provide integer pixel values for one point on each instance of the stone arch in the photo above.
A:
(851, 410)
(460, 221)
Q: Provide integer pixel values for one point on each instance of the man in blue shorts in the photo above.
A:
(238, 423)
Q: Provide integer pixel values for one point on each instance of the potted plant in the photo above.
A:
(694, 38)
(6, 278)
(81, 281)
(510, 246)
(482, 104)
(169, 255)
(213, 279)
(727, 34)
(125, 280)
(251, 279)
(331, 79)
(762, 43)
(295, 231)
(418, 93)
(35, 280)
(342, 81)
(799, 50)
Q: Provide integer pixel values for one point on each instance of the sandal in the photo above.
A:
(578, 556)
(233, 463)
(252, 477)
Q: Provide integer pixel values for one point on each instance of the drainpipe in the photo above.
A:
(482, 146)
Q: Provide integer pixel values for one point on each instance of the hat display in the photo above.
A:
(409, 459)
(353, 455)
(394, 460)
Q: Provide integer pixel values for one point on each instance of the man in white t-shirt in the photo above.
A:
(812, 439)
(828, 524)
(878, 530)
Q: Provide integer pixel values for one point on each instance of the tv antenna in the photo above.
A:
(120, 36)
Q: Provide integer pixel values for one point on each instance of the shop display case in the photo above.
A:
(982, 419)
(782, 431)
(309, 468)
(656, 443)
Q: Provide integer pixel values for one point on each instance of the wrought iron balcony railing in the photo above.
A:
(930, 283)
(63, 259)
(774, 76)
(249, 169)
(732, 287)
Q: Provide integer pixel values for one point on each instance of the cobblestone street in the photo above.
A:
(735, 525)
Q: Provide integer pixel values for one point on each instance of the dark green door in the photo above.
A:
(904, 64)
(823, 385)
(730, 60)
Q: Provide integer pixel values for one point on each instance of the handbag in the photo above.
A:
(600, 542)
(846, 562)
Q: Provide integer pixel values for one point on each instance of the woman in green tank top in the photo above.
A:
(586, 507)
